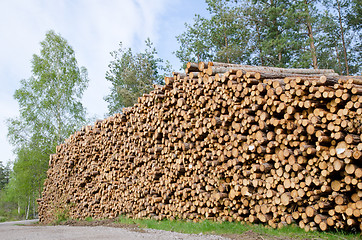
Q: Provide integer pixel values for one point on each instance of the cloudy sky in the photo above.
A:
(93, 28)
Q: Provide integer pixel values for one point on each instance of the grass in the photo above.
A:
(61, 215)
(209, 227)
(10, 218)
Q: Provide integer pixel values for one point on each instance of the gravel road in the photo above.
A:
(30, 231)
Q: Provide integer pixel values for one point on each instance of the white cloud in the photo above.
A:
(8, 109)
(93, 28)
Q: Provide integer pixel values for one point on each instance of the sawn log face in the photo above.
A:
(222, 142)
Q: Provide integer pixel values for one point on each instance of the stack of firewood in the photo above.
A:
(222, 142)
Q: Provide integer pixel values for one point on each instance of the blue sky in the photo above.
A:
(93, 28)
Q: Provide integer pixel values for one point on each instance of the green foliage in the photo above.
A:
(279, 33)
(50, 107)
(132, 75)
(50, 110)
(61, 215)
(8, 209)
(29, 172)
(194, 43)
(340, 25)
(330, 48)
(354, 14)
(222, 38)
(4, 175)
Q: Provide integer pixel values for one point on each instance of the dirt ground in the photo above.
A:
(106, 229)
(249, 235)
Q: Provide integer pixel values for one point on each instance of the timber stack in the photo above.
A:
(222, 142)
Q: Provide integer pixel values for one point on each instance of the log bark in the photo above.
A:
(222, 142)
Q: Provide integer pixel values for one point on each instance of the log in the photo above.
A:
(222, 142)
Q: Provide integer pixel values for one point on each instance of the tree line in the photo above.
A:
(281, 33)
(302, 33)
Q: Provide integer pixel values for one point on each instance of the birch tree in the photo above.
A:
(50, 110)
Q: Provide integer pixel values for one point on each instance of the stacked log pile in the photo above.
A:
(222, 142)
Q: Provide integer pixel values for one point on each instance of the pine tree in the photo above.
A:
(223, 37)
(133, 75)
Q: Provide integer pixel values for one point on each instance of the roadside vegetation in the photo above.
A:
(234, 230)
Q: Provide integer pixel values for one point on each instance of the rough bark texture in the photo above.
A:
(231, 146)
(342, 36)
(311, 38)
